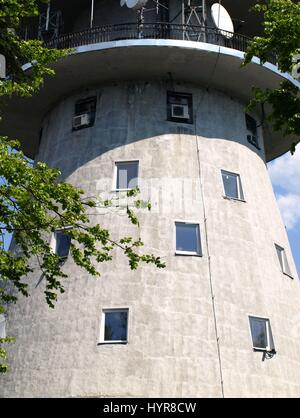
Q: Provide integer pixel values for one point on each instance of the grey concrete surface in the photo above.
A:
(172, 346)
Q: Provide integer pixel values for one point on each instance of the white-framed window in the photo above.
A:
(281, 253)
(2, 326)
(114, 326)
(61, 242)
(262, 339)
(126, 175)
(232, 185)
(188, 241)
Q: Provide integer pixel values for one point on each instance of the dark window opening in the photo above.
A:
(180, 107)
(261, 333)
(85, 113)
(62, 244)
(115, 325)
(252, 136)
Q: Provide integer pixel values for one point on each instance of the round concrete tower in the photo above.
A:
(155, 95)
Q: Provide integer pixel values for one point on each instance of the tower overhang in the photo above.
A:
(208, 65)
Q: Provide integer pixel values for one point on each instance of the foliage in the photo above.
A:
(281, 23)
(34, 203)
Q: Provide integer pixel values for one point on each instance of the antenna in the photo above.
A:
(222, 20)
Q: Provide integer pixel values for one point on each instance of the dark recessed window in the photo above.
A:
(180, 107)
(126, 175)
(114, 326)
(85, 113)
(62, 242)
(261, 333)
(232, 185)
(252, 135)
(188, 239)
(283, 260)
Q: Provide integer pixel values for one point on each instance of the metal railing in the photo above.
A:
(127, 31)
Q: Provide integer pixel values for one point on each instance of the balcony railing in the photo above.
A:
(127, 31)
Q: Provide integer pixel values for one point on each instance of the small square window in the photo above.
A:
(61, 244)
(252, 136)
(2, 326)
(283, 260)
(85, 113)
(126, 175)
(232, 185)
(188, 239)
(114, 326)
(179, 107)
(261, 333)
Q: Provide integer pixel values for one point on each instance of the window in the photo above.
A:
(188, 239)
(126, 175)
(61, 244)
(261, 333)
(283, 260)
(180, 107)
(232, 185)
(85, 113)
(114, 326)
(2, 327)
(252, 136)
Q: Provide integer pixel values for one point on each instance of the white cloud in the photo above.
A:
(285, 173)
(289, 206)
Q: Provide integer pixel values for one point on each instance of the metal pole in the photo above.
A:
(92, 13)
(48, 15)
(183, 20)
(204, 18)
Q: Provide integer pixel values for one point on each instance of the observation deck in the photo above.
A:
(114, 52)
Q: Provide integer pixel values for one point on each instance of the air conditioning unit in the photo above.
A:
(81, 120)
(180, 111)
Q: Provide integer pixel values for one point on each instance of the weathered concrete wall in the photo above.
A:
(172, 348)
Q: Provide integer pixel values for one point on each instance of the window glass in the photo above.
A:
(187, 238)
(283, 260)
(259, 332)
(232, 185)
(63, 242)
(127, 175)
(115, 328)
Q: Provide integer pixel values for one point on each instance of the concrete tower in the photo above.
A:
(158, 94)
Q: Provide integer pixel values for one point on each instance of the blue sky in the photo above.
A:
(285, 176)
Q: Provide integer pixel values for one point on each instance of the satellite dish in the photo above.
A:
(222, 20)
(136, 4)
(122, 2)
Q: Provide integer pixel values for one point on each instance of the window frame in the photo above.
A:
(3, 324)
(115, 175)
(283, 261)
(189, 98)
(240, 189)
(53, 242)
(269, 335)
(199, 253)
(101, 339)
